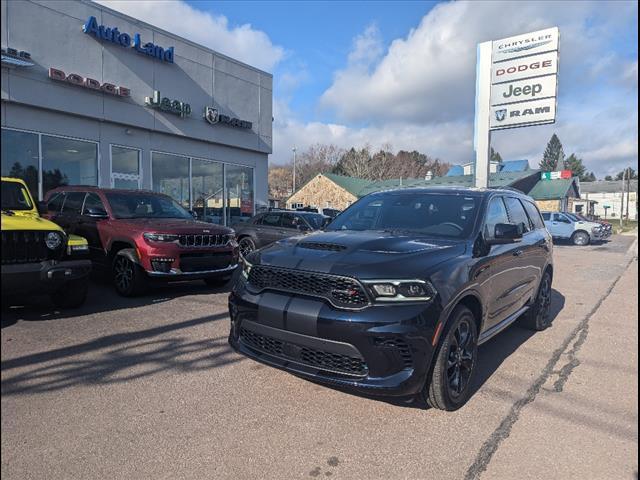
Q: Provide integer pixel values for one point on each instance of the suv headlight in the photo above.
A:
(400, 290)
(160, 237)
(53, 240)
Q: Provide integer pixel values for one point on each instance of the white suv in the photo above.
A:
(567, 227)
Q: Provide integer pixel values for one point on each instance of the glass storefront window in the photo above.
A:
(239, 187)
(125, 167)
(207, 183)
(68, 162)
(170, 175)
(20, 157)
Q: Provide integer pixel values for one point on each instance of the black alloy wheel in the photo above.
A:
(127, 276)
(454, 362)
(246, 246)
(538, 317)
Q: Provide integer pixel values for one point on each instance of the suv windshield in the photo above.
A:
(573, 217)
(316, 221)
(145, 205)
(15, 197)
(435, 214)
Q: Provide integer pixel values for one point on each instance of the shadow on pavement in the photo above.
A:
(117, 358)
(102, 298)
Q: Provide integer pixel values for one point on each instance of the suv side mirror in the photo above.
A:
(506, 233)
(42, 207)
(96, 212)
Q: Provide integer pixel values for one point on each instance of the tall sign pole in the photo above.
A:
(516, 86)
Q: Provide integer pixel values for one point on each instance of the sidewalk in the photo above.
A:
(584, 422)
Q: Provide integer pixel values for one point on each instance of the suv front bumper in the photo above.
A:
(42, 277)
(380, 350)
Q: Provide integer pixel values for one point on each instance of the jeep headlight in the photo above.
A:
(53, 240)
(160, 237)
(400, 290)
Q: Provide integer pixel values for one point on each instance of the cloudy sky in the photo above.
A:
(403, 73)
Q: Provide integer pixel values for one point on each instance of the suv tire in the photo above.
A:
(454, 363)
(537, 317)
(128, 277)
(72, 295)
(581, 239)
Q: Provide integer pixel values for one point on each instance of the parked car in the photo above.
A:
(396, 295)
(607, 228)
(266, 228)
(138, 235)
(565, 226)
(37, 256)
(330, 212)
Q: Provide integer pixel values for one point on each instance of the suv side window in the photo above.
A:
(271, 220)
(55, 203)
(92, 201)
(558, 217)
(534, 214)
(546, 216)
(257, 220)
(496, 213)
(289, 221)
(73, 203)
(517, 214)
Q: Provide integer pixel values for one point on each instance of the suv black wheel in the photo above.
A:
(72, 295)
(128, 278)
(246, 245)
(454, 363)
(581, 239)
(538, 316)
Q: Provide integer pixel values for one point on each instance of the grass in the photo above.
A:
(627, 225)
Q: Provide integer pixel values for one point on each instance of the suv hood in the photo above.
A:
(367, 254)
(27, 221)
(172, 225)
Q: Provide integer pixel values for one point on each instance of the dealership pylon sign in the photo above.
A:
(516, 86)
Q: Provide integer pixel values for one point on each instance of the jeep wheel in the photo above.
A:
(538, 317)
(128, 278)
(246, 246)
(581, 239)
(455, 363)
(72, 294)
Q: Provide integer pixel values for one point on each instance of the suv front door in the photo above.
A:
(87, 225)
(561, 226)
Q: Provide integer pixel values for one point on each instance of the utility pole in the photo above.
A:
(624, 173)
(294, 169)
(628, 191)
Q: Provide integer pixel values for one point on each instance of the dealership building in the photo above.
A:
(93, 97)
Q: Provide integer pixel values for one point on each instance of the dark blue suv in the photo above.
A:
(394, 297)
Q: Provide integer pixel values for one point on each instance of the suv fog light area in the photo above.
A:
(161, 264)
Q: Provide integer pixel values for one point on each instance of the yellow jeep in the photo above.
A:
(37, 256)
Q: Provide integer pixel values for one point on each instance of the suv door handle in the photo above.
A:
(517, 253)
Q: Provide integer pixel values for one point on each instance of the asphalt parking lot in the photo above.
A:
(148, 388)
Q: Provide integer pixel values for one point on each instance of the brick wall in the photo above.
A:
(319, 191)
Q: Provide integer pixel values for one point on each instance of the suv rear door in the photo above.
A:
(71, 209)
(87, 226)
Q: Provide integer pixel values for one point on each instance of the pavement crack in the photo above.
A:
(502, 432)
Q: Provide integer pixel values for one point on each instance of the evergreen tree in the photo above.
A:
(495, 156)
(553, 157)
(629, 173)
(574, 164)
(608, 178)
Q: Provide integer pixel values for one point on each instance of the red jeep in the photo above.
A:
(140, 235)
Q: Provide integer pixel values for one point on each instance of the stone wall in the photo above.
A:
(548, 205)
(321, 192)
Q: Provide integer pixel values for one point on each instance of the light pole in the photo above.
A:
(294, 169)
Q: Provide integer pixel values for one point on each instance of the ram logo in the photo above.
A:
(501, 114)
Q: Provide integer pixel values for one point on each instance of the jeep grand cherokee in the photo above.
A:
(398, 292)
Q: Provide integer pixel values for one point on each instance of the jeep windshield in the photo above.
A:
(435, 214)
(15, 197)
(145, 205)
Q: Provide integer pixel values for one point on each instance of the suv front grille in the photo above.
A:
(202, 240)
(27, 246)
(332, 362)
(342, 292)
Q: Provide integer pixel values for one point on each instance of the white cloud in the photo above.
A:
(242, 42)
